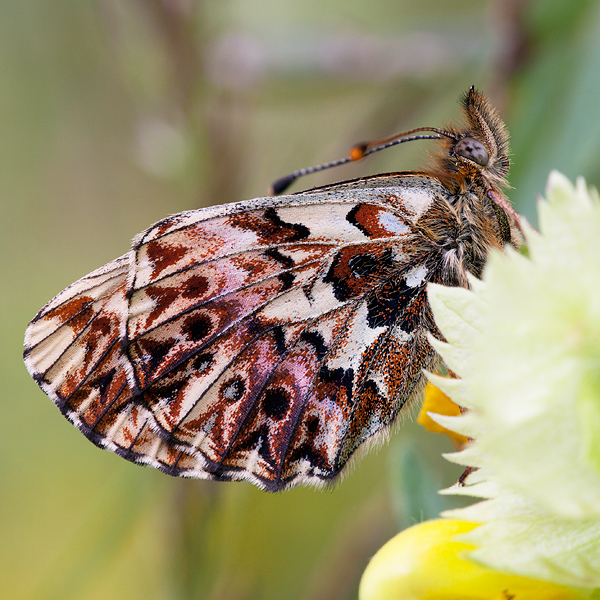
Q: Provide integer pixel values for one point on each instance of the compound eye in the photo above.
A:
(473, 150)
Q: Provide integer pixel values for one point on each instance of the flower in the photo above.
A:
(426, 561)
(437, 402)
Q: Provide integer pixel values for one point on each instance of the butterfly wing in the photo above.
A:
(263, 340)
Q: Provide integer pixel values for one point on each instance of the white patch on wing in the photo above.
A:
(417, 201)
(197, 397)
(326, 328)
(398, 255)
(392, 223)
(140, 306)
(323, 297)
(302, 467)
(155, 448)
(291, 306)
(372, 427)
(416, 276)
(378, 379)
(400, 335)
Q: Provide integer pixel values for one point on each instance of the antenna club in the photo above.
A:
(279, 186)
(358, 151)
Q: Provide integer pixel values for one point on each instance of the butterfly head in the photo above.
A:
(479, 149)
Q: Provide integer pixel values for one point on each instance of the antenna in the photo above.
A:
(357, 152)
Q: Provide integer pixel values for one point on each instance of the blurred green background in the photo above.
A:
(115, 113)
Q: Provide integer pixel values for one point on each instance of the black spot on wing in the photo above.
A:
(338, 383)
(276, 402)
(157, 352)
(164, 393)
(285, 261)
(203, 362)
(315, 339)
(264, 450)
(257, 439)
(306, 452)
(351, 217)
(354, 270)
(300, 232)
(195, 287)
(385, 306)
(312, 425)
(279, 336)
(104, 382)
(287, 279)
(197, 327)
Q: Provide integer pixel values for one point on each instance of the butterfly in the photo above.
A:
(268, 340)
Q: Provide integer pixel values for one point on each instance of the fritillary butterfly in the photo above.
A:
(267, 340)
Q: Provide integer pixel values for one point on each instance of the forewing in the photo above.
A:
(263, 340)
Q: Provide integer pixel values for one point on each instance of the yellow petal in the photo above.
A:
(437, 402)
(425, 562)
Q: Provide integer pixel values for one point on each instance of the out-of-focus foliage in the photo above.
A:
(114, 114)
